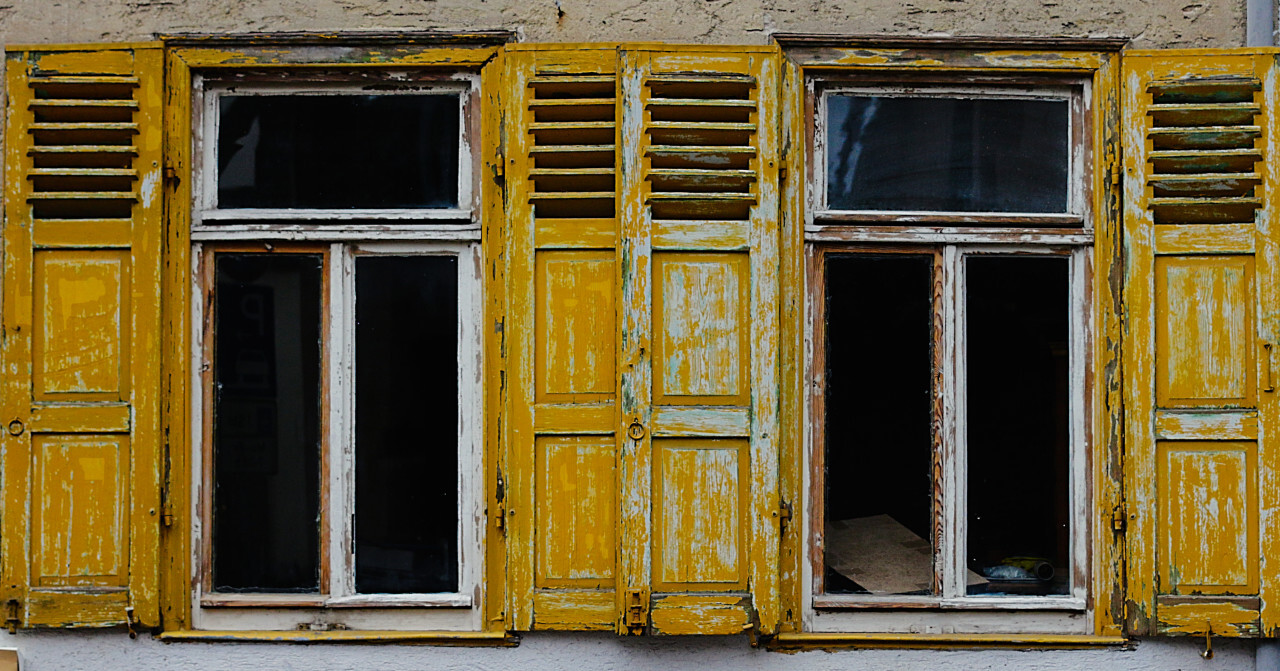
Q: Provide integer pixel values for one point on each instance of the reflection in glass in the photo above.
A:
(266, 433)
(338, 151)
(879, 414)
(1016, 363)
(406, 521)
(901, 153)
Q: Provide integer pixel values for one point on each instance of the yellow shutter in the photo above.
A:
(643, 210)
(81, 401)
(1202, 310)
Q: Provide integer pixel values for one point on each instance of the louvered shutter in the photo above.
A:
(1202, 309)
(643, 218)
(83, 216)
(562, 233)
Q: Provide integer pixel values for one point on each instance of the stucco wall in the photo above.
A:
(96, 651)
(1150, 23)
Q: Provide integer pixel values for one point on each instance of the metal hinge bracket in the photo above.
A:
(1117, 519)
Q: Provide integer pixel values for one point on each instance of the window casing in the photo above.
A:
(852, 227)
(359, 246)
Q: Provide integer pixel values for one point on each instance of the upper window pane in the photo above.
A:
(904, 153)
(338, 151)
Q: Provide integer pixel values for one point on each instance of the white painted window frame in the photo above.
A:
(953, 611)
(422, 232)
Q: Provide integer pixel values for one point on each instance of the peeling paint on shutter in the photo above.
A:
(81, 317)
(1200, 400)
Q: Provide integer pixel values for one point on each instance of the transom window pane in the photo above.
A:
(338, 151)
(916, 153)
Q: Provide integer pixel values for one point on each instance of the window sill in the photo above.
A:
(809, 641)
(449, 638)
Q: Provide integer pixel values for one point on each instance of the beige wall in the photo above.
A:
(1150, 23)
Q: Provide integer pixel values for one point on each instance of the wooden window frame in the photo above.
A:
(1086, 235)
(397, 232)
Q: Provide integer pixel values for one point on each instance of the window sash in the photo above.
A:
(910, 224)
(337, 588)
(211, 222)
(950, 548)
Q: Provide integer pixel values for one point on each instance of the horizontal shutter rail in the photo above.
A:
(81, 172)
(1202, 165)
(572, 195)
(83, 195)
(78, 102)
(38, 80)
(701, 196)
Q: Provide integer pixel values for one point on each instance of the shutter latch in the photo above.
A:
(637, 610)
(13, 616)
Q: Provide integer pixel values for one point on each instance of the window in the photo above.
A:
(949, 248)
(336, 306)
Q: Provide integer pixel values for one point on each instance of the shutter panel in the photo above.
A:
(643, 218)
(699, 288)
(1201, 323)
(81, 323)
(563, 238)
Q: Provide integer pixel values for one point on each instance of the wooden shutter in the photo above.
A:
(643, 224)
(1202, 308)
(81, 336)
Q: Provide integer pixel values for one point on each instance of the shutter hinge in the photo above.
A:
(13, 615)
(1118, 519)
(783, 515)
(499, 168)
(166, 486)
(1115, 174)
(782, 169)
(171, 176)
(637, 610)
(500, 516)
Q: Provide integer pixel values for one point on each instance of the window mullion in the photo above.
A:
(951, 554)
(341, 365)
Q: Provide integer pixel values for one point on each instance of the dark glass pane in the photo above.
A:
(879, 415)
(1017, 331)
(406, 530)
(946, 154)
(338, 151)
(266, 433)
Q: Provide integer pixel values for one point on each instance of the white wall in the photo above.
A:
(100, 650)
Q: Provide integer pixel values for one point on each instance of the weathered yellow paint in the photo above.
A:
(81, 331)
(680, 614)
(1208, 521)
(576, 503)
(701, 318)
(81, 349)
(1204, 331)
(613, 342)
(699, 501)
(79, 512)
(1201, 430)
(575, 326)
(268, 56)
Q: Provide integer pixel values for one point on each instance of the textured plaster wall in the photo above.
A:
(1150, 23)
(96, 651)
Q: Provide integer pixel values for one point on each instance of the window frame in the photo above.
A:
(398, 232)
(1088, 66)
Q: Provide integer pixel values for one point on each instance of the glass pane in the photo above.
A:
(338, 151)
(1018, 425)
(406, 531)
(946, 154)
(266, 433)
(879, 418)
